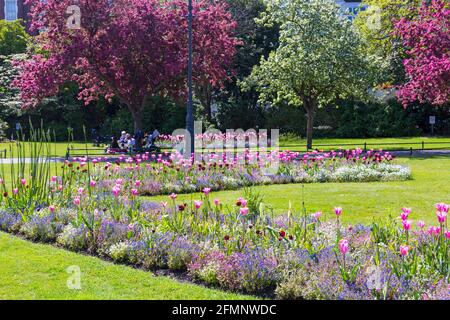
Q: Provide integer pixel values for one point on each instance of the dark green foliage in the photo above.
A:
(161, 114)
(238, 112)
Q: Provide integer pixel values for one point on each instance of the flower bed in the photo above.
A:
(246, 248)
(173, 173)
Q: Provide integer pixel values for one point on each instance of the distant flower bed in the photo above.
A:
(173, 173)
(246, 248)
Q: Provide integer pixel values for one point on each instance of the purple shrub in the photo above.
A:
(9, 222)
(41, 228)
(180, 253)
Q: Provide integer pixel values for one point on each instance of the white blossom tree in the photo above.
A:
(320, 57)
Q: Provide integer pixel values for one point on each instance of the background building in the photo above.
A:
(13, 9)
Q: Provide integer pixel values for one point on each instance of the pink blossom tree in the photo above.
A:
(128, 49)
(427, 39)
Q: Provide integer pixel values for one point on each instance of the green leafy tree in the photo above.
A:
(320, 58)
(376, 25)
(13, 37)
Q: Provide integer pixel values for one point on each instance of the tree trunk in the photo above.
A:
(207, 107)
(310, 106)
(204, 94)
(137, 118)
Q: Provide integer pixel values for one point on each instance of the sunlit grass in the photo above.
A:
(37, 271)
(361, 201)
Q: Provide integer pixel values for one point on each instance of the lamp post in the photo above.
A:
(190, 107)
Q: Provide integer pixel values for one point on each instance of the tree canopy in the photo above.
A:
(320, 57)
(426, 38)
(129, 49)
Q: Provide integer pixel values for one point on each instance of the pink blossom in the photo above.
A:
(116, 190)
(216, 202)
(404, 250)
(77, 201)
(338, 211)
(434, 230)
(343, 246)
(244, 211)
(447, 234)
(317, 215)
(406, 224)
(80, 191)
(53, 178)
(206, 191)
(134, 192)
(51, 208)
(406, 211)
(198, 204)
(164, 204)
(23, 181)
(421, 224)
(442, 207)
(92, 183)
(173, 196)
(137, 183)
(441, 216)
(15, 191)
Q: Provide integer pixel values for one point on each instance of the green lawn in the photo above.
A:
(36, 271)
(360, 201)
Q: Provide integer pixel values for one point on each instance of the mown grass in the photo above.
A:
(37, 271)
(361, 201)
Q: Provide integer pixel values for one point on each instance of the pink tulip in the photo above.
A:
(51, 208)
(338, 211)
(244, 211)
(164, 204)
(116, 190)
(92, 183)
(80, 191)
(434, 231)
(447, 234)
(317, 215)
(53, 178)
(406, 224)
(404, 216)
(442, 207)
(137, 183)
(216, 202)
(77, 201)
(15, 191)
(343, 246)
(134, 192)
(198, 204)
(173, 196)
(404, 250)
(421, 224)
(441, 216)
(406, 211)
(206, 191)
(23, 181)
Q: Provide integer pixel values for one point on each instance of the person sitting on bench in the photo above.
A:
(114, 143)
(151, 139)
